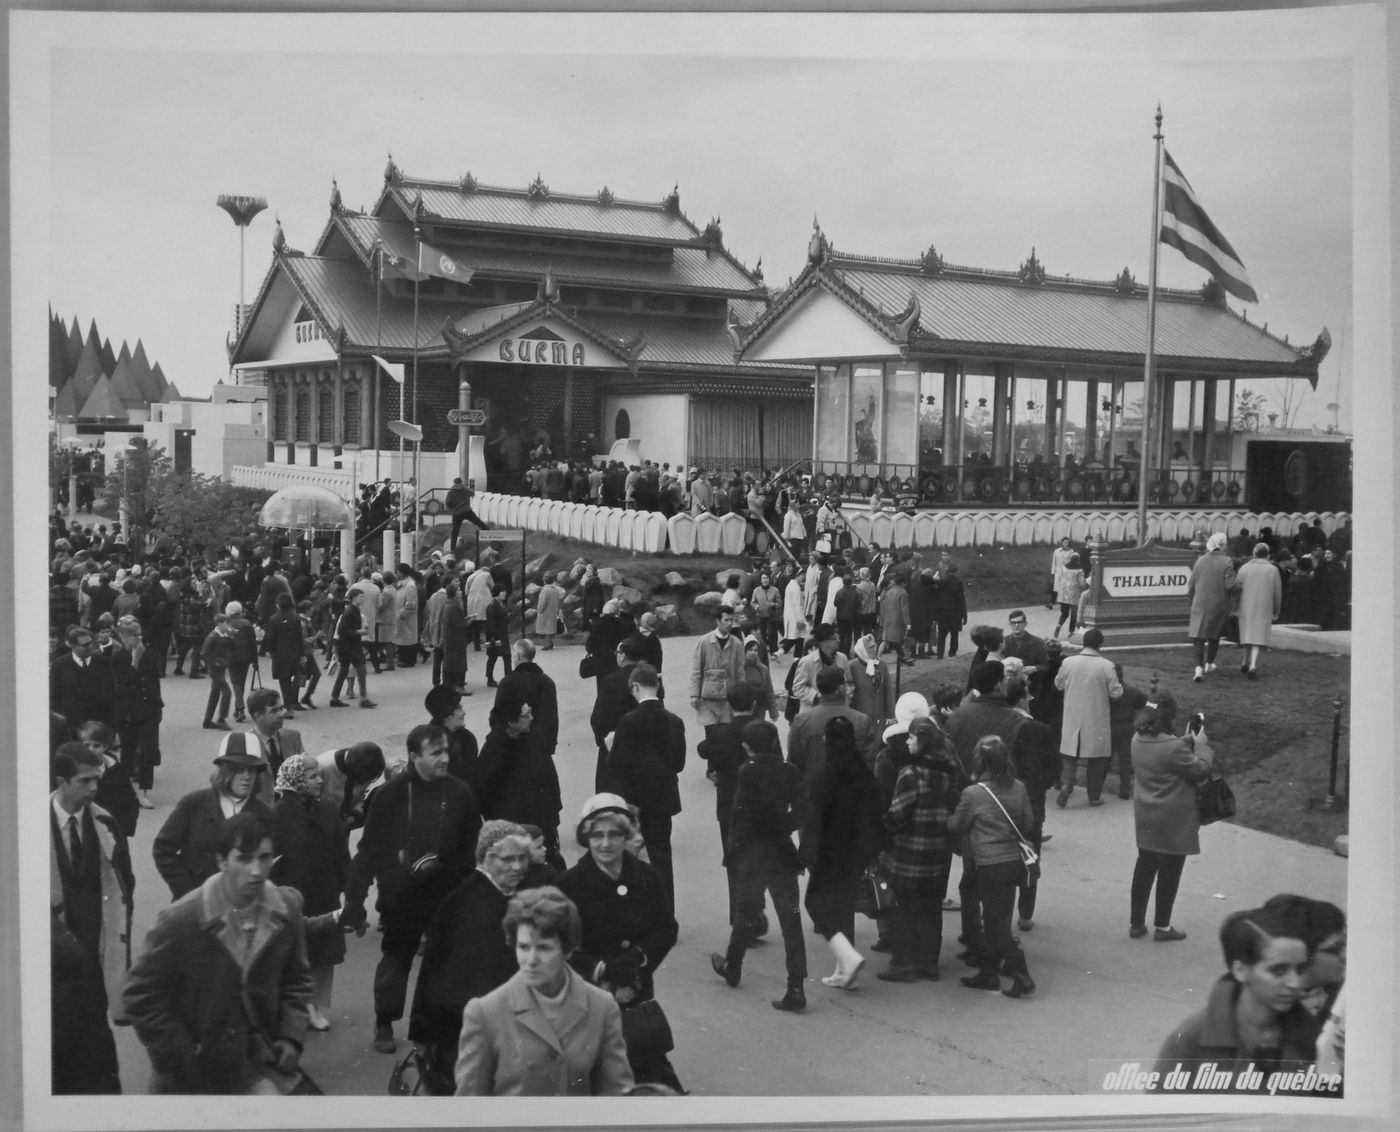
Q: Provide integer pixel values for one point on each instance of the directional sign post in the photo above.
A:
(469, 417)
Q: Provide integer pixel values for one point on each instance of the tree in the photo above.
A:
(1248, 408)
(1288, 398)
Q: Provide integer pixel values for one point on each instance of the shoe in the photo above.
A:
(196, 675)
(178, 672)
(849, 963)
(881, 945)
(368, 703)
(1062, 798)
(240, 717)
(1200, 675)
(898, 975)
(951, 904)
(721, 967)
(492, 684)
(145, 802)
(1167, 935)
(217, 725)
(1021, 984)
(316, 1020)
(1210, 667)
(929, 974)
(308, 704)
(982, 981)
(1137, 931)
(1124, 795)
(339, 703)
(1244, 669)
(1252, 674)
(1044, 837)
(384, 1038)
(1096, 801)
(1024, 925)
(794, 1001)
(970, 957)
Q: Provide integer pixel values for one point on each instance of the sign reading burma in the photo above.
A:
(542, 351)
(1146, 581)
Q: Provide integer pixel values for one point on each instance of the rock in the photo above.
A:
(676, 580)
(707, 602)
(1342, 846)
(577, 569)
(572, 601)
(532, 592)
(668, 618)
(535, 565)
(609, 576)
(722, 576)
(530, 613)
(634, 597)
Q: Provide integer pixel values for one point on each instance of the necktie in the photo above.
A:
(274, 752)
(75, 844)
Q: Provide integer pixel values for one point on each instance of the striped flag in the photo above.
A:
(1187, 228)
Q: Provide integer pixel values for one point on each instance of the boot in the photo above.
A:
(729, 972)
(794, 1001)
(983, 980)
(1021, 981)
(849, 962)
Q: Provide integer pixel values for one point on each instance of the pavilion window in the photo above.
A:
(282, 426)
(901, 427)
(833, 397)
(325, 415)
(865, 441)
(303, 422)
(350, 411)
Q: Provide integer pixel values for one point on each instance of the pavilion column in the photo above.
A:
(1209, 389)
(1091, 421)
(568, 447)
(952, 413)
(1053, 393)
(338, 404)
(1001, 386)
(313, 392)
(1162, 448)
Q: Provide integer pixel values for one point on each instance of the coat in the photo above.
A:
(285, 644)
(288, 744)
(518, 781)
(920, 851)
(991, 840)
(543, 698)
(613, 700)
(716, 669)
(631, 912)
(647, 757)
(135, 686)
(81, 693)
(1260, 587)
(313, 858)
(186, 992)
(922, 604)
(478, 594)
(1209, 594)
(794, 618)
(842, 829)
(1166, 770)
(185, 849)
(386, 616)
(950, 603)
(767, 801)
(804, 675)
(509, 1049)
(807, 738)
(454, 636)
(432, 619)
(406, 613)
(115, 888)
(894, 614)
(548, 610)
(1088, 682)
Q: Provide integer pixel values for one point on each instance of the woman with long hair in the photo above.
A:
(1166, 770)
(995, 812)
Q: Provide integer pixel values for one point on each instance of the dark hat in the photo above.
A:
(238, 750)
(987, 675)
(824, 632)
(829, 680)
(442, 701)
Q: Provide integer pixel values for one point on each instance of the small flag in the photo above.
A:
(1187, 228)
(431, 261)
(393, 369)
(393, 266)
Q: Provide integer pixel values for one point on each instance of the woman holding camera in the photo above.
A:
(1166, 770)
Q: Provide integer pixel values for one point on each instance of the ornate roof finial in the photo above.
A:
(549, 292)
(467, 184)
(672, 203)
(1213, 292)
(758, 270)
(931, 263)
(335, 196)
(712, 236)
(605, 197)
(1125, 282)
(538, 190)
(817, 247)
(391, 172)
(279, 239)
(418, 208)
(1032, 270)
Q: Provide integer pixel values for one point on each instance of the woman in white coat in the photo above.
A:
(794, 615)
(1260, 587)
(1088, 681)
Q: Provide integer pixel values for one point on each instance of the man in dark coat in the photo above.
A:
(807, 735)
(459, 505)
(614, 700)
(644, 766)
(80, 682)
(539, 692)
(518, 780)
(1029, 649)
(444, 706)
(724, 750)
(418, 844)
(497, 635)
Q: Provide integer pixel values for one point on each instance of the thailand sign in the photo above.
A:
(1165, 580)
(475, 417)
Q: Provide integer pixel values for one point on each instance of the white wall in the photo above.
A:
(657, 420)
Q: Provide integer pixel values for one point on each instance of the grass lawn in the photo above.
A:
(1273, 736)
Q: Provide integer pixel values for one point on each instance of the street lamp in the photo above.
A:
(241, 210)
(406, 430)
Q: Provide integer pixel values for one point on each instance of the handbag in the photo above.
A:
(714, 684)
(646, 1029)
(587, 666)
(415, 1075)
(1215, 801)
(874, 896)
(1029, 855)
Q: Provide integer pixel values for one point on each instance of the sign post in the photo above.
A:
(463, 413)
(1138, 595)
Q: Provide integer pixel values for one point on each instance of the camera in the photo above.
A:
(1196, 723)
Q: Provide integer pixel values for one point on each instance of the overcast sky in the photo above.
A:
(984, 136)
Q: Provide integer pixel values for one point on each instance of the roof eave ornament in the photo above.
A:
(391, 172)
(758, 271)
(335, 197)
(279, 238)
(1125, 283)
(538, 190)
(1319, 349)
(1032, 271)
(818, 249)
(1212, 292)
(931, 263)
(712, 237)
(605, 197)
(467, 184)
(905, 321)
(672, 202)
(419, 210)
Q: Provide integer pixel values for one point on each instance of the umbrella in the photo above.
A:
(305, 507)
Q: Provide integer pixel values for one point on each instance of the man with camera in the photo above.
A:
(418, 845)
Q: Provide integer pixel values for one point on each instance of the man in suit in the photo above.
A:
(614, 700)
(539, 692)
(270, 735)
(1029, 649)
(644, 766)
(80, 681)
(807, 735)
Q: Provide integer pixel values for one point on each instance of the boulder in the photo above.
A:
(676, 580)
(668, 618)
(633, 597)
(707, 602)
(1342, 846)
(572, 601)
(532, 592)
(535, 565)
(609, 576)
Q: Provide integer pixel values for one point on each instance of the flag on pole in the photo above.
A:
(1187, 228)
(393, 266)
(393, 369)
(431, 261)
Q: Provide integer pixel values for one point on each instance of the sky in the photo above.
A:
(984, 136)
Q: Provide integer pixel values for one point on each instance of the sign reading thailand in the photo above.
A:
(1166, 580)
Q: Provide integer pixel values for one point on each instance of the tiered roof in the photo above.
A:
(79, 365)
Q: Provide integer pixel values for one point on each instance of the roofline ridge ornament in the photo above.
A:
(1032, 270)
(931, 263)
(391, 172)
(758, 270)
(538, 190)
(335, 196)
(1125, 283)
(1212, 292)
(605, 196)
(818, 249)
(905, 321)
(671, 202)
(467, 184)
(279, 238)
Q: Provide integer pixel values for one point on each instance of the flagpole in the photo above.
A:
(1145, 472)
(378, 345)
(417, 278)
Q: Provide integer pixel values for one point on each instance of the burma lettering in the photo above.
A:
(309, 332)
(541, 352)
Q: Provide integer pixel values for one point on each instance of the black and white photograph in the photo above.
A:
(856, 521)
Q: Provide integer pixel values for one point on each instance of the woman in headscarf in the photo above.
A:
(314, 859)
(758, 676)
(1212, 577)
(1260, 586)
(867, 676)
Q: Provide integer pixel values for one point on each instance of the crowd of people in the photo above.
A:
(541, 978)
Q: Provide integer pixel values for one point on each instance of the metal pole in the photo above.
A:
(1145, 468)
(378, 348)
(464, 403)
(1332, 801)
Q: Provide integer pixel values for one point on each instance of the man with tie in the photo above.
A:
(80, 682)
(276, 741)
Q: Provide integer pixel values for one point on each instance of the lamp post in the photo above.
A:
(405, 430)
(241, 210)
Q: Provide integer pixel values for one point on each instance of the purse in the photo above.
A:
(587, 666)
(1029, 855)
(1215, 801)
(414, 1075)
(646, 1029)
(714, 684)
(874, 896)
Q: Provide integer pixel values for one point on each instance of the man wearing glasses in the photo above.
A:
(1029, 649)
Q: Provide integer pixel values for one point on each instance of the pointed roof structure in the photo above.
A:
(125, 388)
(142, 375)
(158, 376)
(171, 394)
(109, 359)
(58, 343)
(94, 337)
(72, 349)
(66, 404)
(125, 353)
(102, 403)
(87, 372)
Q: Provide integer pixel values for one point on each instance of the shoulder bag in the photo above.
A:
(1029, 856)
(1215, 801)
(874, 896)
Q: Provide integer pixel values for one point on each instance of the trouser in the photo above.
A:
(751, 885)
(1165, 869)
(916, 926)
(997, 886)
(844, 632)
(1206, 650)
(454, 677)
(288, 686)
(343, 671)
(405, 918)
(238, 680)
(1070, 611)
(140, 740)
(494, 653)
(188, 645)
(160, 645)
(313, 677)
(1095, 771)
(408, 655)
(970, 899)
(947, 635)
(1026, 894)
(220, 692)
(865, 623)
(1123, 756)
(831, 899)
(437, 666)
(656, 834)
(768, 633)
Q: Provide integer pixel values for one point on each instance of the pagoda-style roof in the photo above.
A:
(124, 385)
(687, 270)
(87, 372)
(73, 348)
(157, 376)
(929, 307)
(66, 404)
(102, 403)
(170, 395)
(142, 375)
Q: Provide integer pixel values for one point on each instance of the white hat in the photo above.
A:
(601, 804)
(907, 708)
